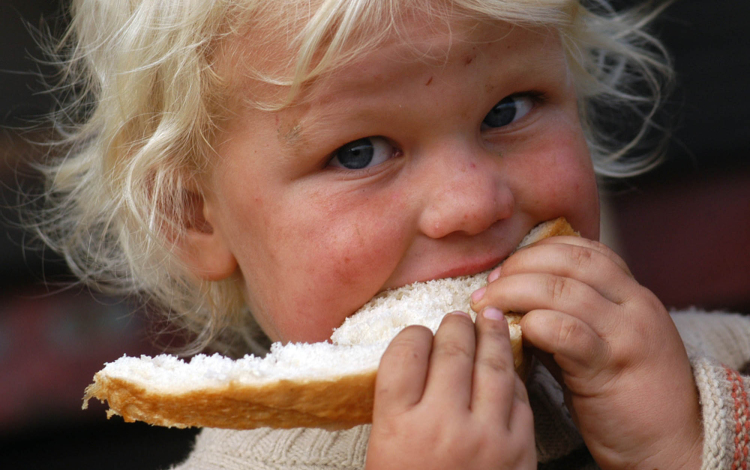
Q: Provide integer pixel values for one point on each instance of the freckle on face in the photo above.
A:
(313, 246)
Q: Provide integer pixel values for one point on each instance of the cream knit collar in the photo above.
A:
(261, 449)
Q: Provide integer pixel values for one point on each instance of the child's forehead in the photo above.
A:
(488, 55)
(429, 55)
(416, 44)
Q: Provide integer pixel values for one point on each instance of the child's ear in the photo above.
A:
(202, 248)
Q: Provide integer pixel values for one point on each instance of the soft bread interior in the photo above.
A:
(322, 384)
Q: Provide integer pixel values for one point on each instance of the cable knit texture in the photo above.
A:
(718, 344)
(266, 449)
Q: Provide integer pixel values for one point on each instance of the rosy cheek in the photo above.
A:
(576, 188)
(338, 264)
(555, 177)
(358, 256)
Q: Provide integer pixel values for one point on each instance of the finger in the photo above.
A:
(521, 293)
(521, 416)
(402, 372)
(581, 262)
(494, 372)
(574, 345)
(600, 248)
(451, 363)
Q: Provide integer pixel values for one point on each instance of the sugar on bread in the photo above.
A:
(326, 384)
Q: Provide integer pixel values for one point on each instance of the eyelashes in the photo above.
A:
(368, 152)
(511, 109)
(363, 153)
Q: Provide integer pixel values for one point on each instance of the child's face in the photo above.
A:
(399, 168)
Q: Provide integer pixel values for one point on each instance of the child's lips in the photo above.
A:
(469, 268)
(464, 268)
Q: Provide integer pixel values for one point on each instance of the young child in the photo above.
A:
(280, 162)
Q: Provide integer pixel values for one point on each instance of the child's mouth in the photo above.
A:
(469, 268)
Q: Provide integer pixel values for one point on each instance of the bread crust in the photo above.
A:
(342, 402)
(336, 403)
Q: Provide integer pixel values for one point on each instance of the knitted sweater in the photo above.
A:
(718, 345)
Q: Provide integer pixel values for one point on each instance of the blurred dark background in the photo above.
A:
(53, 338)
(684, 230)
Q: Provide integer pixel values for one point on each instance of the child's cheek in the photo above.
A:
(556, 177)
(335, 257)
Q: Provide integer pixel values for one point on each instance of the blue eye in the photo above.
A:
(508, 110)
(362, 153)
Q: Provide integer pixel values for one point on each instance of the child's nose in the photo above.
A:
(466, 194)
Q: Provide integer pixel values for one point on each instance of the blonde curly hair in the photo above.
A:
(143, 97)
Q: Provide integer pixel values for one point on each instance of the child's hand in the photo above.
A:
(451, 402)
(611, 344)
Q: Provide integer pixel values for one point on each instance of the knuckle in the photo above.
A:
(569, 332)
(580, 256)
(495, 363)
(558, 287)
(454, 349)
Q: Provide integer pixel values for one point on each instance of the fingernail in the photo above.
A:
(478, 294)
(491, 313)
(494, 274)
(459, 312)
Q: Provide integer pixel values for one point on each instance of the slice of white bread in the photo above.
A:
(327, 384)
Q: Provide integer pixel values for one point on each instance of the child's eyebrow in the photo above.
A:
(295, 134)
